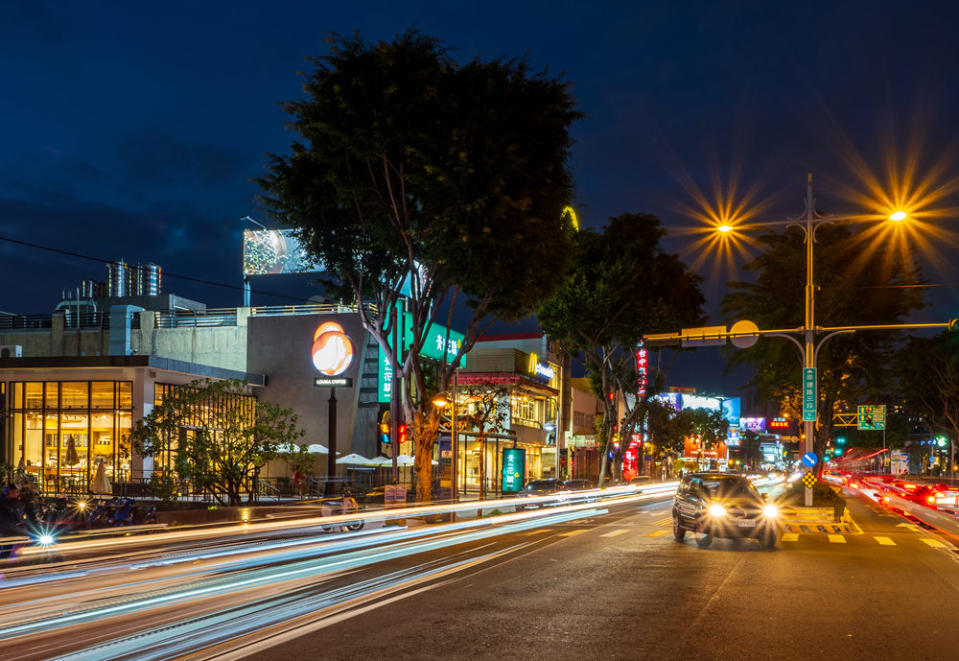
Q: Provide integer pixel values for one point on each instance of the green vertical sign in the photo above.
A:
(809, 395)
(434, 346)
(514, 468)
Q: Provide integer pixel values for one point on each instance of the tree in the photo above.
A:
(855, 285)
(419, 178)
(928, 371)
(216, 436)
(622, 286)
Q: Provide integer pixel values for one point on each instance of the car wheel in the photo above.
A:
(679, 533)
(704, 540)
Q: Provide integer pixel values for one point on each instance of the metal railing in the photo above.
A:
(319, 308)
(196, 318)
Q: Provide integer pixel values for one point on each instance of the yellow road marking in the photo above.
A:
(790, 537)
(536, 532)
(668, 521)
(934, 543)
(885, 541)
(615, 533)
(658, 533)
(837, 539)
(573, 532)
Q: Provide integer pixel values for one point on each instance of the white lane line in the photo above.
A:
(884, 541)
(790, 537)
(837, 539)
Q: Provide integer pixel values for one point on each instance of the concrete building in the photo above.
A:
(74, 382)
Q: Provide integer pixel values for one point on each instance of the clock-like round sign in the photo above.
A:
(332, 349)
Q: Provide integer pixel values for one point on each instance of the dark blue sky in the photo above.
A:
(132, 129)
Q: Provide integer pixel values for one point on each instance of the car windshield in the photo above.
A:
(728, 487)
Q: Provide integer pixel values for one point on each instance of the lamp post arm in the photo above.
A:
(843, 331)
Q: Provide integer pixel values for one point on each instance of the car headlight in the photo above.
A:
(770, 511)
(717, 510)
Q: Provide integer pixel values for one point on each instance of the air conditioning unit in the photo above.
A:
(11, 351)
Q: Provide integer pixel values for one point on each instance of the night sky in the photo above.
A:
(132, 130)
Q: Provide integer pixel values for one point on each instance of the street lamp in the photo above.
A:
(896, 216)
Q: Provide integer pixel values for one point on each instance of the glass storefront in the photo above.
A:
(63, 430)
(473, 473)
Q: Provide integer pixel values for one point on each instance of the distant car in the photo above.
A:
(577, 485)
(722, 505)
(536, 488)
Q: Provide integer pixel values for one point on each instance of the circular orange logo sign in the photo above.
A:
(332, 349)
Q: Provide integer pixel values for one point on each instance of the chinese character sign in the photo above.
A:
(514, 469)
(642, 370)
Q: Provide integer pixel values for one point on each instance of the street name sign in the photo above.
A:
(809, 395)
(871, 416)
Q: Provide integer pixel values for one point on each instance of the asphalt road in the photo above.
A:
(619, 587)
(584, 580)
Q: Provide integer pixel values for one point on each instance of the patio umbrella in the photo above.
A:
(404, 460)
(354, 459)
(72, 458)
(316, 448)
(100, 482)
(383, 461)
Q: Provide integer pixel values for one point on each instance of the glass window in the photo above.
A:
(102, 395)
(17, 401)
(34, 395)
(124, 450)
(52, 395)
(74, 394)
(124, 395)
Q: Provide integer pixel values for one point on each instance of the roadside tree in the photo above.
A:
(216, 436)
(443, 184)
(622, 286)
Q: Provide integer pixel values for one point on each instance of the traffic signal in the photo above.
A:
(841, 440)
(402, 433)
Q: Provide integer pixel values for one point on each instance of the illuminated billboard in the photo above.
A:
(332, 349)
(272, 252)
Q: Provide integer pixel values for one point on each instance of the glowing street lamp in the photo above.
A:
(725, 229)
(896, 216)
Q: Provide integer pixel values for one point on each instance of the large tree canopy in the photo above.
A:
(414, 176)
(855, 285)
(622, 286)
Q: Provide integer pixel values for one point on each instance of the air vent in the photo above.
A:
(11, 351)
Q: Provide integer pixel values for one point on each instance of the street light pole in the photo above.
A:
(809, 354)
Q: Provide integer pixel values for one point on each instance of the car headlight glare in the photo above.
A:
(717, 510)
(770, 511)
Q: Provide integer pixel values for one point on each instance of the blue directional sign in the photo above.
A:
(809, 395)
(809, 459)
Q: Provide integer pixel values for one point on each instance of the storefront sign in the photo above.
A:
(779, 424)
(332, 349)
(435, 346)
(753, 424)
(514, 469)
(642, 370)
(333, 382)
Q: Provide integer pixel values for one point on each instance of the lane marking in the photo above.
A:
(615, 533)
(534, 532)
(837, 539)
(934, 543)
(668, 521)
(573, 532)
(884, 541)
(658, 533)
(790, 537)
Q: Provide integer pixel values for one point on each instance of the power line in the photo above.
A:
(167, 274)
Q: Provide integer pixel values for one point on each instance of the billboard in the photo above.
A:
(272, 252)
(753, 424)
(680, 401)
(514, 469)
